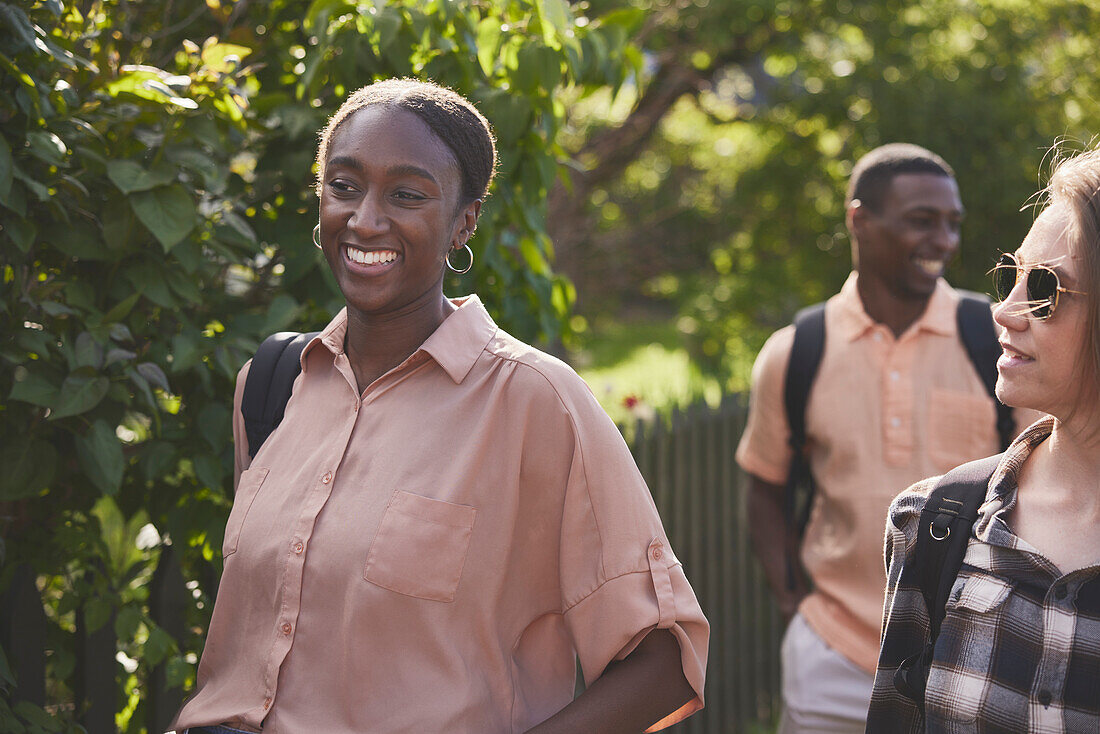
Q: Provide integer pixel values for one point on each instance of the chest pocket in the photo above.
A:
(961, 427)
(964, 652)
(247, 488)
(420, 547)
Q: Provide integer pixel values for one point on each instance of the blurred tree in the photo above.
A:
(720, 191)
(156, 201)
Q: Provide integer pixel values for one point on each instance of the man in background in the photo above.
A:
(895, 399)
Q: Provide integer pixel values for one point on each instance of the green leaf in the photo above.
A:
(89, 353)
(147, 280)
(208, 470)
(185, 351)
(47, 147)
(80, 392)
(143, 386)
(121, 309)
(159, 645)
(217, 56)
(215, 425)
(19, 25)
(130, 176)
(29, 467)
(154, 374)
(184, 286)
(156, 459)
(118, 355)
(97, 611)
(34, 389)
(488, 42)
(121, 333)
(168, 212)
(100, 454)
(281, 313)
(78, 240)
(21, 232)
(127, 622)
(53, 308)
(32, 714)
(555, 18)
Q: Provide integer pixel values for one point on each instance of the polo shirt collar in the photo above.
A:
(455, 345)
(853, 321)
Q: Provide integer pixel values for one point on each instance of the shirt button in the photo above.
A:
(1060, 592)
(286, 628)
(895, 422)
(326, 478)
(298, 547)
(877, 337)
(895, 375)
(1044, 697)
(656, 554)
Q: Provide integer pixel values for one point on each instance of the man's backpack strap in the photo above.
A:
(942, 536)
(269, 383)
(979, 336)
(806, 353)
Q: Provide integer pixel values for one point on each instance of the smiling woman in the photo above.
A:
(445, 520)
(1019, 646)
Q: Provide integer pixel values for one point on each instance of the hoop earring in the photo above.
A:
(468, 265)
(317, 236)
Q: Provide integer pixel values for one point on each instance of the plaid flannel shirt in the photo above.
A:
(1019, 649)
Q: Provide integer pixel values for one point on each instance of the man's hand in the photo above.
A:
(776, 545)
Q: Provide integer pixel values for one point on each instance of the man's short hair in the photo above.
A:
(874, 172)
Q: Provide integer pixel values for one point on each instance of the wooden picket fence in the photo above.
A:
(700, 492)
(687, 460)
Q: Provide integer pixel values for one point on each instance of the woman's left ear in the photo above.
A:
(467, 222)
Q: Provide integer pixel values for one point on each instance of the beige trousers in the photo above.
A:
(823, 691)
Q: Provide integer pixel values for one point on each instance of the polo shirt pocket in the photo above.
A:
(961, 427)
(420, 548)
(247, 488)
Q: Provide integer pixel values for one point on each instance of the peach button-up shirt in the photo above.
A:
(884, 412)
(429, 554)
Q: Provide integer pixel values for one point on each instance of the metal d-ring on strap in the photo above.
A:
(932, 532)
(469, 265)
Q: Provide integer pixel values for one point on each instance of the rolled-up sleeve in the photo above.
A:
(620, 578)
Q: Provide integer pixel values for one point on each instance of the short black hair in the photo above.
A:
(453, 119)
(875, 171)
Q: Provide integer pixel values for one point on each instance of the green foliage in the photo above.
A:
(733, 212)
(155, 192)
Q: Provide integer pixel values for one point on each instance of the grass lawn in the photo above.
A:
(638, 368)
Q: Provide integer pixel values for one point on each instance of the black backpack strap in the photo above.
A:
(269, 383)
(942, 536)
(979, 336)
(806, 353)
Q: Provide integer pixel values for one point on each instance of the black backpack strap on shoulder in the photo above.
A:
(942, 536)
(269, 383)
(979, 336)
(806, 353)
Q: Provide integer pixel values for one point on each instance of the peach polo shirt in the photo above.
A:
(884, 412)
(427, 556)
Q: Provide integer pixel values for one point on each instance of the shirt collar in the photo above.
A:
(853, 321)
(1005, 482)
(455, 345)
(461, 338)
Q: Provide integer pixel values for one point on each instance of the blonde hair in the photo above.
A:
(1075, 185)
